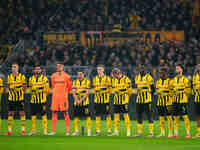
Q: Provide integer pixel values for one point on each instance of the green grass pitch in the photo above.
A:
(60, 141)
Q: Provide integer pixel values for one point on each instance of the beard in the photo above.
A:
(38, 73)
(163, 76)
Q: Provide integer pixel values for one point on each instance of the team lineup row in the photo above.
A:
(172, 99)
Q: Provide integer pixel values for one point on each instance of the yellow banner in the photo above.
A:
(92, 38)
(146, 36)
(60, 36)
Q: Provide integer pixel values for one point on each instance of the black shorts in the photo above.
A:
(38, 108)
(164, 110)
(197, 108)
(81, 111)
(180, 109)
(147, 108)
(102, 109)
(15, 105)
(120, 108)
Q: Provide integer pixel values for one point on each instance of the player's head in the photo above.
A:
(163, 72)
(116, 73)
(80, 75)
(100, 69)
(37, 69)
(198, 68)
(179, 69)
(15, 67)
(60, 66)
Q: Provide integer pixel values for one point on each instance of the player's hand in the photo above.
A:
(12, 86)
(76, 100)
(138, 90)
(79, 102)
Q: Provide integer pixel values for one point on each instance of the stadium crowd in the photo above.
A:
(130, 54)
(23, 19)
(81, 15)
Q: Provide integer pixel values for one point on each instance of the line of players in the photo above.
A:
(172, 99)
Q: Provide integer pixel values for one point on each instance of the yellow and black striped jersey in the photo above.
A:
(81, 87)
(196, 87)
(102, 86)
(39, 87)
(144, 88)
(164, 91)
(122, 89)
(1, 86)
(15, 85)
(181, 89)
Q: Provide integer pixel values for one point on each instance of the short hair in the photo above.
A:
(180, 65)
(60, 62)
(164, 69)
(81, 70)
(101, 65)
(37, 65)
(15, 63)
(116, 71)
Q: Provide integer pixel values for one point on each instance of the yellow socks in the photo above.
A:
(44, 123)
(98, 119)
(23, 122)
(109, 123)
(176, 124)
(33, 118)
(0, 123)
(10, 123)
(116, 121)
(139, 128)
(169, 119)
(198, 131)
(127, 121)
(187, 123)
(162, 125)
(151, 128)
(88, 122)
(76, 122)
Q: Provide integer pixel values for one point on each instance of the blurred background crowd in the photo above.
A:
(30, 18)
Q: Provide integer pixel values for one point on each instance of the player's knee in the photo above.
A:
(33, 113)
(11, 113)
(198, 123)
(21, 113)
(150, 118)
(140, 118)
(65, 113)
(162, 114)
(43, 113)
(54, 112)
